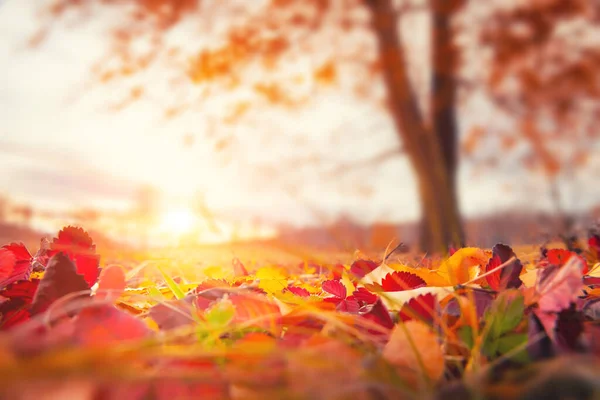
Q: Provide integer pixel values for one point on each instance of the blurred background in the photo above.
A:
(331, 123)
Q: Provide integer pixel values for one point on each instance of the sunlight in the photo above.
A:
(178, 221)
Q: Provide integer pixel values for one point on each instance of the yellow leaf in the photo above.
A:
(272, 286)
(595, 270)
(464, 265)
(272, 279)
(216, 272)
(271, 273)
(150, 323)
(529, 278)
(347, 284)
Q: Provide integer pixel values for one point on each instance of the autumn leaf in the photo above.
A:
(414, 349)
(7, 264)
(422, 307)
(338, 292)
(60, 279)
(18, 298)
(104, 325)
(298, 291)
(111, 283)
(594, 247)
(15, 263)
(272, 279)
(559, 257)
(362, 295)
(238, 268)
(172, 314)
(79, 247)
(335, 288)
(400, 280)
(558, 287)
(360, 268)
(377, 313)
(464, 265)
(508, 276)
(257, 311)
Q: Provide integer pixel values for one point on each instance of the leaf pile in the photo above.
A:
(461, 327)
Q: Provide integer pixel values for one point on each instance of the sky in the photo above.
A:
(61, 147)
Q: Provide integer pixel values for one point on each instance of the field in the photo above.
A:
(263, 321)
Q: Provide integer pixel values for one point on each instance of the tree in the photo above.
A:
(521, 56)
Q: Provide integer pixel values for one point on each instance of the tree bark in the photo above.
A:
(444, 104)
(431, 149)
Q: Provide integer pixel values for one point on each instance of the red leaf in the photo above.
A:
(299, 327)
(399, 281)
(7, 264)
(336, 271)
(106, 325)
(421, 307)
(60, 278)
(174, 314)
(558, 287)
(594, 246)
(591, 280)
(78, 245)
(19, 250)
(16, 258)
(298, 291)
(363, 295)
(558, 256)
(508, 276)
(238, 268)
(257, 310)
(111, 283)
(349, 305)
(362, 267)
(15, 309)
(335, 288)
(378, 313)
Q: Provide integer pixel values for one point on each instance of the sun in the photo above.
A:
(178, 221)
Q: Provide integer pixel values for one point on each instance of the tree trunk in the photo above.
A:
(431, 150)
(444, 102)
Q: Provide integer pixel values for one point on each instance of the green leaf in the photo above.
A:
(465, 333)
(220, 315)
(513, 313)
(510, 342)
(154, 292)
(505, 314)
(173, 286)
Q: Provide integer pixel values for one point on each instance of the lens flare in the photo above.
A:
(179, 221)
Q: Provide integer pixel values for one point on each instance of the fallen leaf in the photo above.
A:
(398, 281)
(111, 283)
(104, 325)
(508, 276)
(464, 265)
(60, 279)
(15, 309)
(79, 247)
(558, 287)
(414, 349)
(7, 264)
(421, 308)
(15, 263)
